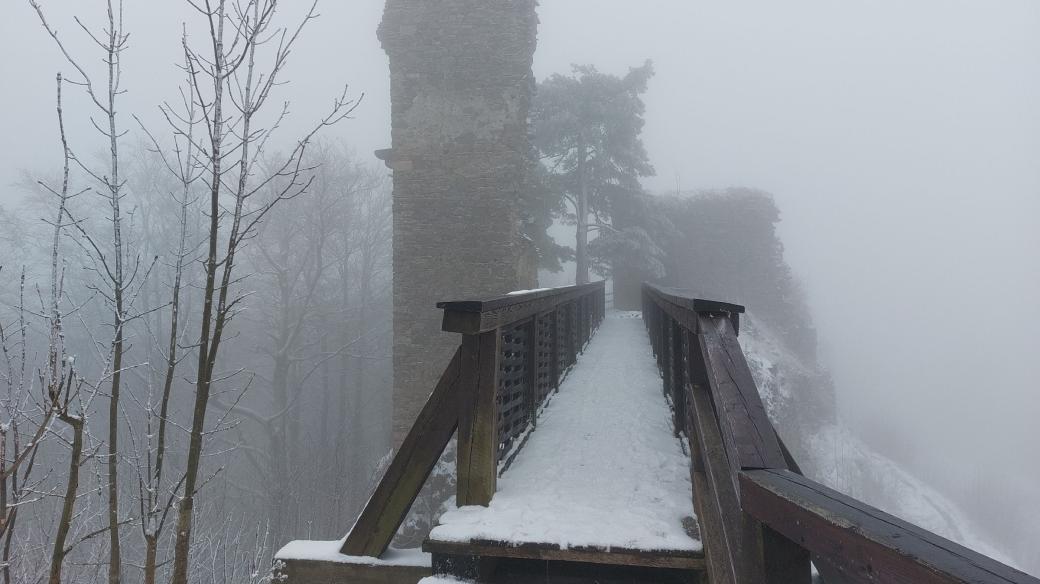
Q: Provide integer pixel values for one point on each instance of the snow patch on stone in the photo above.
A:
(519, 292)
(328, 551)
(440, 579)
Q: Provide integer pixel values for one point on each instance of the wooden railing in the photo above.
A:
(515, 351)
(761, 521)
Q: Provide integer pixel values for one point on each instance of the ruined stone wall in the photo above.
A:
(461, 85)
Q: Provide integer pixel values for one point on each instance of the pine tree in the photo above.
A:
(587, 129)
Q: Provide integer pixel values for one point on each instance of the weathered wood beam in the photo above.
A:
(866, 544)
(715, 495)
(689, 301)
(749, 436)
(679, 559)
(686, 302)
(321, 572)
(774, 559)
(686, 318)
(739, 548)
(472, 317)
(478, 418)
(412, 464)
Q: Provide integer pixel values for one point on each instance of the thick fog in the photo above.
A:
(901, 141)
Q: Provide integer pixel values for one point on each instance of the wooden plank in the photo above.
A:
(749, 435)
(508, 300)
(686, 309)
(478, 418)
(320, 572)
(477, 316)
(464, 568)
(688, 300)
(666, 310)
(739, 549)
(411, 465)
(715, 494)
(865, 543)
(678, 559)
(777, 560)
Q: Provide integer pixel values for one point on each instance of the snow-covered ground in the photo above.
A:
(603, 468)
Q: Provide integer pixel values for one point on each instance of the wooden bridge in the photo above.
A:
(580, 459)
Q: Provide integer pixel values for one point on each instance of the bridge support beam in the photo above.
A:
(321, 572)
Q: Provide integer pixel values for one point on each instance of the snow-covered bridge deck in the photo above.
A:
(604, 470)
(601, 491)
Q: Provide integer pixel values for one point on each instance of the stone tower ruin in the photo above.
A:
(460, 86)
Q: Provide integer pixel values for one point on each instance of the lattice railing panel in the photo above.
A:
(562, 347)
(513, 409)
(544, 382)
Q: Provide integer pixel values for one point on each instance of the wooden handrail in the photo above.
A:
(472, 317)
(516, 350)
(860, 542)
(760, 519)
(514, 353)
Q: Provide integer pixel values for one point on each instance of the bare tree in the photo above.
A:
(227, 183)
(17, 458)
(362, 262)
(58, 377)
(291, 254)
(230, 90)
(157, 496)
(110, 266)
(60, 391)
(296, 257)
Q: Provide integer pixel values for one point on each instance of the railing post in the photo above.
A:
(478, 418)
(772, 558)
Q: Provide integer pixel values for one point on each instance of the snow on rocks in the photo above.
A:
(849, 465)
(603, 468)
